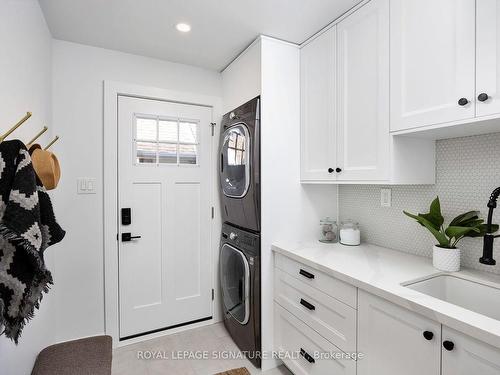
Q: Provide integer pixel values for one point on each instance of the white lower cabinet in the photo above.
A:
(464, 355)
(319, 323)
(306, 352)
(392, 342)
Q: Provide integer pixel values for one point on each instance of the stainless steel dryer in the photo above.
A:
(240, 283)
(239, 157)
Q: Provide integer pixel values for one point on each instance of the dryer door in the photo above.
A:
(235, 283)
(235, 161)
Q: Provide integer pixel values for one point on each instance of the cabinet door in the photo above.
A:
(392, 340)
(363, 93)
(468, 355)
(432, 62)
(488, 57)
(318, 131)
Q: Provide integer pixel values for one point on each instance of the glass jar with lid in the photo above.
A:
(328, 230)
(349, 233)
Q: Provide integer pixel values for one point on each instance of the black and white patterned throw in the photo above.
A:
(27, 228)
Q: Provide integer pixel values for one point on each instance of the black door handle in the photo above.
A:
(307, 305)
(308, 358)
(330, 170)
(338, 170)
(448, 345)
(126, 237)
(428, 335)
(463, 101)
(482, 97)
(306, 274)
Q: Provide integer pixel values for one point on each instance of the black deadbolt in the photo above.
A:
(126, 216)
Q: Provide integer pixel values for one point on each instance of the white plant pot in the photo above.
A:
(447, 260)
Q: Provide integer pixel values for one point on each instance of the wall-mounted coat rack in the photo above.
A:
(19, 123)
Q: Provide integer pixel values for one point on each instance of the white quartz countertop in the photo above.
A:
(382, 272)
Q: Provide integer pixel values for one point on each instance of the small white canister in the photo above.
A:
(350, 234)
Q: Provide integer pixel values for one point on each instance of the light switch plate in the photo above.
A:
(86, 185)
(385, 197)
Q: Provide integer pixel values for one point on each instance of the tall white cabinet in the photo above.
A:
(345, 107)
(318, 115)
(363, 146)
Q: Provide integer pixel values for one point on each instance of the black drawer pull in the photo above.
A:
(306, 274)
(306, 304)
(308, 358)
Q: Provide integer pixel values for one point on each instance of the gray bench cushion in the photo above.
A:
(89, 356)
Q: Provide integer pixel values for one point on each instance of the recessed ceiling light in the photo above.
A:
(183, 27)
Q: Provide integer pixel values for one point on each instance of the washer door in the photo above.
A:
(235, 161)
(235, 283)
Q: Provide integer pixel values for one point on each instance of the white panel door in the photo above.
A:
(392, 339)
(164, 165)
(488, 57)
(467, 355)
(432, 62)
(318, 121)
(363, 93)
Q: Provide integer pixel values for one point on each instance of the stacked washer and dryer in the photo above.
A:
(239, 175)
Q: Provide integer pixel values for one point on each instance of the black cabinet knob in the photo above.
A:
(462, 101)
(330, 170)
(428, 335)
(482, 97)
(338, 170)
(448, 345)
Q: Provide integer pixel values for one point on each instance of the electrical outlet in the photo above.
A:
(385, 197)
(86, 186)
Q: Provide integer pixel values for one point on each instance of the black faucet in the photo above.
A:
(487, 257)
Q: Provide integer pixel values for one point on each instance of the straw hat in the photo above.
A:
(46, 166)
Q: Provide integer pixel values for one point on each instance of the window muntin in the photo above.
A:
(164, 141)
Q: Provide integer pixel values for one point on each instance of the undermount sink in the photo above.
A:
(481, 298)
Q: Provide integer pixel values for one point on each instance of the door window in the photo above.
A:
(163, 141)
(235, 283)
(235, 161)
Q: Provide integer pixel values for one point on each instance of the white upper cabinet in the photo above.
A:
(488, 57)
(432, 62)
(464, 355)
(318, 128)
(363, 148)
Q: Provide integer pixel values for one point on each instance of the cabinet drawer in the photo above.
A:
(333, 287)
(293, 337)
(331, 318)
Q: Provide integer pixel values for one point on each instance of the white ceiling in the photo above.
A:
(221, 29)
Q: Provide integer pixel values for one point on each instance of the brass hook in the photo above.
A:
(52, 142)
(19, 123)
(37, 136)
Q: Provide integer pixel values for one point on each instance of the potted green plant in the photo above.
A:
(446, 255)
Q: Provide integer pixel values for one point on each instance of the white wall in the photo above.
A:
(79, 72)
(25, 85)
(289, 210)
